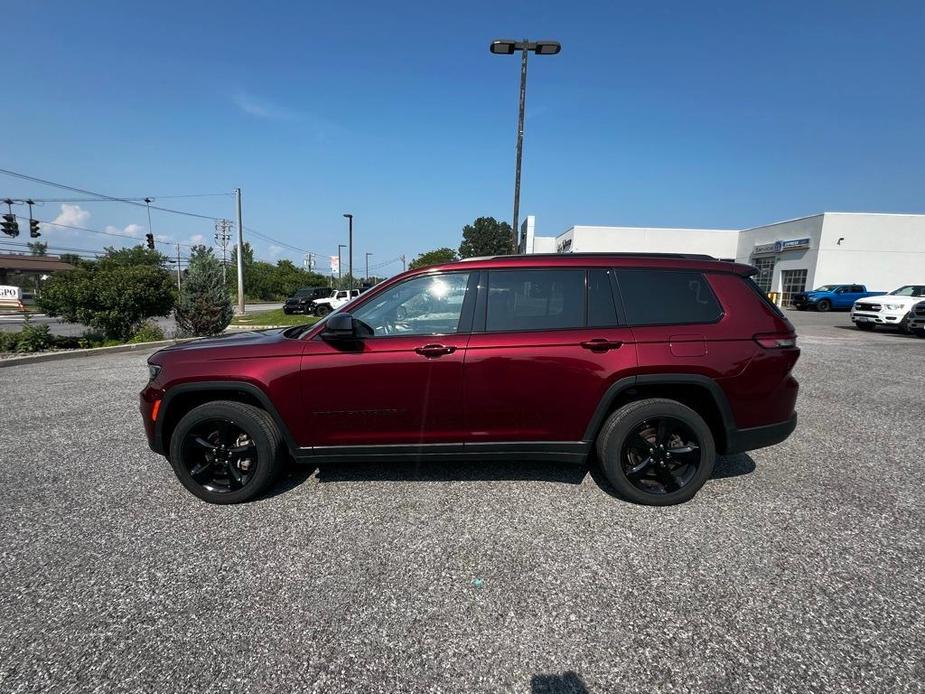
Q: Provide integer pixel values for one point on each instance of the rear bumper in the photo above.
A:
(741, 440)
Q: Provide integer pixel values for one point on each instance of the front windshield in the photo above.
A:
(909, 290)
(826, 288)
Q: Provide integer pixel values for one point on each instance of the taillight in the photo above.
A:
(776, 340)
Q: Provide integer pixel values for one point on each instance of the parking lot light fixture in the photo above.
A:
(508, 47)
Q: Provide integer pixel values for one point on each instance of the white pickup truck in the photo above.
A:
(338, 298)
(892, 309)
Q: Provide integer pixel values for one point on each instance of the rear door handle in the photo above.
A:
(600, 344)
(435, 350)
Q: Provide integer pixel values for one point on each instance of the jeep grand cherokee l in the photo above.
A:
(652, 363)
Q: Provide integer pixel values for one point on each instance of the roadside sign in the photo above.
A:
(335, 264)
(11, 297)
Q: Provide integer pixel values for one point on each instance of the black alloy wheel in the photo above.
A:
(656, 451)
(226, 452)
(219, 456)
(824, 305)
(661, 455)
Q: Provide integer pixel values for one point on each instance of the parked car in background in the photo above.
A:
(323, 307)
(917, 319)
(303, 299)
(651, 364)
(831, 296)
(891, 309)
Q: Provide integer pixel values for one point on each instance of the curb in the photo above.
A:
(93, 351)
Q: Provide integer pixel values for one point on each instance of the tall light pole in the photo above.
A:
(367, 265)
(350, 246)
(340, 265)
(508, 47)
(237, 192)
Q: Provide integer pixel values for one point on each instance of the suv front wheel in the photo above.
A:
(226, 452)
(656, 451)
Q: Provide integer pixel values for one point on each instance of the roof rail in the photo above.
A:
(595, 254)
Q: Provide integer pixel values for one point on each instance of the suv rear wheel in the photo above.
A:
(656, 451)
(226, 452)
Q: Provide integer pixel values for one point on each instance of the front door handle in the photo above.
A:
(435, 350)
(600, 344)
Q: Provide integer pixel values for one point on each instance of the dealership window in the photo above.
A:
(660, 297)
(793, 282)
(765, 267)
(535, 300)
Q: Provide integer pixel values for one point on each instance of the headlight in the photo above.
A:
(153, 371)
(892, 307)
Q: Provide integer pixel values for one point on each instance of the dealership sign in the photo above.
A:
(778, 246)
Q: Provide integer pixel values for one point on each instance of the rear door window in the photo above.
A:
(541, 299)
(667, 297)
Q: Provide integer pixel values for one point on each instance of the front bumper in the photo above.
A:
(741, 440)
(150, 400)
(879, 317)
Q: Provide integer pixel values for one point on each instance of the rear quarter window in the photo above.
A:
(667, 297)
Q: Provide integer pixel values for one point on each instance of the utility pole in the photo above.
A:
(404, 265)
(309, 261)
(367, 265)
(350, 247)
(178, 267)
(237, 192)
(222, 237)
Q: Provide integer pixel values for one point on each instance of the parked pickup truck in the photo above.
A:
(895, 308)
(830, 296)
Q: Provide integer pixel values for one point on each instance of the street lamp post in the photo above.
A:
(340, 267)
(508, 47)
(367, 265)
(350, 246)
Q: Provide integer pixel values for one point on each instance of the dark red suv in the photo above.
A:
(655, 363)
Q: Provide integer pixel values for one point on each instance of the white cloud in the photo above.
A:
(197, 239)
(133, 230)
(72, 216)
(275, 251)
(260, 108)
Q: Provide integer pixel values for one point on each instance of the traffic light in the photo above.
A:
(9, 225)
(34, 228)
(150, 239)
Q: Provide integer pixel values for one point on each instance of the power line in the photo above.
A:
(134, 198)
(110, 233)
(103, 196)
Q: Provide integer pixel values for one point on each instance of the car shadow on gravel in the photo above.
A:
(566, 683)
(487, 470)
(885, 330)
(725, 466)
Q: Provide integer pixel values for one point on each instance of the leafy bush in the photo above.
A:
(8, 342)
(204, 307)
(148, 332)
(114, 295)
(33, 337)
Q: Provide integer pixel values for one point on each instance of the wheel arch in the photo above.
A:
(180, 399)
(700, 393)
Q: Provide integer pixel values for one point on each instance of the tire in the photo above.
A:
(287, 311)
(824, 305)
(619, 457)
(261, 437)
(918, 332)
(865, 326)
(322, 311)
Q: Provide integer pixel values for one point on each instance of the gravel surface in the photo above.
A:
(797, 568)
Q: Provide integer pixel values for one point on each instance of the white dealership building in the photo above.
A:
(883, 251)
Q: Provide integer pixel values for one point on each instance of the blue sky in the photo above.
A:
(671, 114)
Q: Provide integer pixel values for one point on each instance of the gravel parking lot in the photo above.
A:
(797, 568)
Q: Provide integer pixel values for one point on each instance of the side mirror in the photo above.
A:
(339, 326)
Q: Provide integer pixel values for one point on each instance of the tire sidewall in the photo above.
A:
(248, 419)
(625, 420)
(823, 305)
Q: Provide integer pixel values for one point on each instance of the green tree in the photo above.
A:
(37, 248)
(203, 307)
(114, 295)
(486, 236)
(435, 257)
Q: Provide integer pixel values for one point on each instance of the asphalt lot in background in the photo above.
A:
(797, 568)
